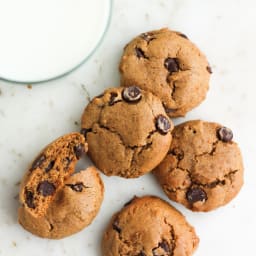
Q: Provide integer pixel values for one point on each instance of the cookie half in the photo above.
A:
(170, 66)
(49, 171)
(127, 130)
(204, 168)
(74, 207)
(149, 226)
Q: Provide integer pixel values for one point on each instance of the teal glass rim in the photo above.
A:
(97, 45)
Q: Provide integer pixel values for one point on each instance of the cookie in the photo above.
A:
(149, 226)
(49, 171)
(170, 66)
(127, 130)
(73, 208)
(204, 168)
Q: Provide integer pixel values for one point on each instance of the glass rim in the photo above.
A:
(97, 45)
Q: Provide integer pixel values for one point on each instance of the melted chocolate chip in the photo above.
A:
(38, 162)
(196, 194)
(84, 131)
(139, 53)
(50, 166)
(79, 150)
(162, 124)
(171, 64)
(178, 153)
(46, 188)
(112, 99)
(78, 187)
(209, 69)
(29, 199)
(116, 227)
(142, 254)
(132, 94)
(225, 134)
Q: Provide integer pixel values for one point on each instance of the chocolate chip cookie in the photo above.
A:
(49, 171)
(203, 169)
(73, 208)
(149, 226)
(170, 66)
(127, 130)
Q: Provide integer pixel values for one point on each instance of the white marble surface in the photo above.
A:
(30, 118)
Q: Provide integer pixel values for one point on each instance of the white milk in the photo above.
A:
(42, 39)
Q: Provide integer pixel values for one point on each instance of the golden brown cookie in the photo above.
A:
(170, 66)
(203, 169)
(49, 171)
(127, 130)
(149, 226)
(73, 208)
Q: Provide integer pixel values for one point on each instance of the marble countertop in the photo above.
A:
(32, 116)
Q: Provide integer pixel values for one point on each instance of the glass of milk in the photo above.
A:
(46, 39)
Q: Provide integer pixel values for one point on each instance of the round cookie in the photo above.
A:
(203, 169)
(170, 66)
(127, 130)
(49, 171)
(149, 226)
(74, 207)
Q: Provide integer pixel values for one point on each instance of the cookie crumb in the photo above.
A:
(29, 86)
(14, 244)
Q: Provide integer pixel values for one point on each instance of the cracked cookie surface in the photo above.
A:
(170, 66)
(149, 226)
(49, 171)
(74, 207)
(127, 130)
(203, 169)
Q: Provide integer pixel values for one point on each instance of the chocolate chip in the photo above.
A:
(162, 124)
(29, 199)
(225, 134)
(182, 35)
(78, 187)
(112, 99)
(79, 150)
(49, 167)
(46, 188)
(142, 254)
(38, 162)
(165, 246)
(178, 153)
(163, 249)
(132, 94)
(139, 53)
(170, 110)
(171, 64)
(99, 96)
(130, 201)
(209, 69)
(147, 37)
(196, 194)
(116, 227)
(84, 131)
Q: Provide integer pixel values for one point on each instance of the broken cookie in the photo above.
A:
(48, 172)
(73, 208)
(204, 168)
